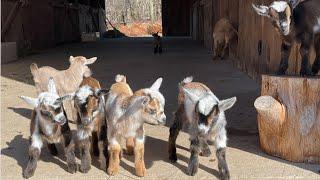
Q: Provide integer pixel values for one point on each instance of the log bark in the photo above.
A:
(289, 117)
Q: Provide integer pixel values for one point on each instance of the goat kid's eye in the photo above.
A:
(152, 111)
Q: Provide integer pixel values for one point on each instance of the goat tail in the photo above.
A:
(186, 80)
(34, 68)
(121, 78)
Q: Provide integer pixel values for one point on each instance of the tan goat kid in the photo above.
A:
(67, 81)
(126, 113)
(91, 125)
(223, 33)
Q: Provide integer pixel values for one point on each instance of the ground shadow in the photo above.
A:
(157, 150)
(22, 111)
(18, 150)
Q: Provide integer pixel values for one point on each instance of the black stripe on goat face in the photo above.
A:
(53, 113)
(207, 120)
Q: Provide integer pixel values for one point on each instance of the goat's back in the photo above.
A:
(224, 28)
(197, 88)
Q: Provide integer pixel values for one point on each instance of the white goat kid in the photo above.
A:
(48, 122)
(203, 115)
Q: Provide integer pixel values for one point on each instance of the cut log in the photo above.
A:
(289, 118)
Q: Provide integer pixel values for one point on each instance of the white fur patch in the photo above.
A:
(83, 93)
(113, 141)
(316, 27)
(206, 104)
(58, 116)
(279, 6)
(188, 79)
(82, 134)
(203, 128)
(36, 138)
(47, 98)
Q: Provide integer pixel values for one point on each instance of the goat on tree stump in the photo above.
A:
(296, 21)
(289, 118)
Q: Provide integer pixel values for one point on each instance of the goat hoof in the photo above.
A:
(85, 168)
(28, 172)
(224, 176)
(113, 171)
(72, 168)
(141, 172)
(173, 158)
(192, 169)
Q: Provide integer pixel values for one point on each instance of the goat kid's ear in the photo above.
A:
(190, 95)
(101, 92)
(71, 59)
(91, 60)
(261, 10)
(227, 103)
(65, 98)
(157, 84)
(31, 101)
(52, 86)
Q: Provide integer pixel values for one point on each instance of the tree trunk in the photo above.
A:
(289, 118)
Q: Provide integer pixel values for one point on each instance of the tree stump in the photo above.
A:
(289, 118)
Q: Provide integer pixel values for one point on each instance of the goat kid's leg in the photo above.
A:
(174, 132)
(285, 53)
(160, 48)
(304, 52)
(130, 146)
(71, 157)
(139, 156)
(34, 154)
(194, 157)
(85, 156)
(114, 158)
(205, 149)
(221, 146)
(53, 149)
(155, 50)
(103, 148)
(94, 144)
(316, 64)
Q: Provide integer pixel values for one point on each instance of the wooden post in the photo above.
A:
(289, 117)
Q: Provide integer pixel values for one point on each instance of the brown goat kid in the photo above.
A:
(126, 112)
(223, 33)
(91, 125)
(157, 43)
(67, 81)
(48, 123)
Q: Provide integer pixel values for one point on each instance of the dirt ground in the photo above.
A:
(134, 57)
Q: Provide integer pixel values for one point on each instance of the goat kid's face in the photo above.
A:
(208, 108)
(153, 105)
(83, 61)
(87, 103)
(49, 104)
(279, 12)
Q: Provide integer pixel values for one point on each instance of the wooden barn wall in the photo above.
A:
(42, 24)
(257, 49)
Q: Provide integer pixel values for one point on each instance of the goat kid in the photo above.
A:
(157, 43)
(203, 114)
(223, 33)
(67, 81)
(91, 125)
(296, 20)
(48, 123)
(126, 114)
